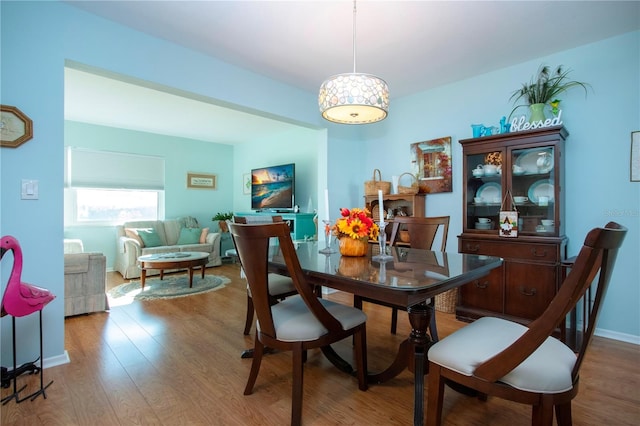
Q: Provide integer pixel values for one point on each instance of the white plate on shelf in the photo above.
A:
(484, 226)
(528, 160)
(489, 191)
(540, 188)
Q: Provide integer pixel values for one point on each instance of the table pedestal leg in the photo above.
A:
(419, 316)
(190, 277)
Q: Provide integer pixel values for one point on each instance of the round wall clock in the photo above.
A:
(15, 127)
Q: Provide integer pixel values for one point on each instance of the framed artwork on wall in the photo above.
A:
(246, 183)
(201, 181)
(15, 127)
(431, 164)
(635, 156)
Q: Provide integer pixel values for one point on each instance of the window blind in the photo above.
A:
(85, 168)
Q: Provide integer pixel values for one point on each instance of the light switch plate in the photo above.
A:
(29, 189)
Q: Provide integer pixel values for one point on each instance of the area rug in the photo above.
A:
(170, 287)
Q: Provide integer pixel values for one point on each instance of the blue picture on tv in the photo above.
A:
(272, 188)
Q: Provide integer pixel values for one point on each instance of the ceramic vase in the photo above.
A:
(350, 247)
(537, 113)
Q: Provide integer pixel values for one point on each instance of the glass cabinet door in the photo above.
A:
(484, 194)
(532, 185)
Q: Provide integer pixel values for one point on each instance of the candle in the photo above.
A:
(380, 205)
(326, 205)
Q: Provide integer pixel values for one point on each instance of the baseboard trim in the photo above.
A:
(57, 360)
(614, 335)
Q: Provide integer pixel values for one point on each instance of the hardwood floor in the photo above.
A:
(177, 362)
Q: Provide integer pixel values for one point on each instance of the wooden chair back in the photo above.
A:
(422, 231)
(499, 376)
(257, 219)
(596, 258)
(252, 244)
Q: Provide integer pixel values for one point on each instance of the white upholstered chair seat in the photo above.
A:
(294, 321)
(278, 284)
(547, 370)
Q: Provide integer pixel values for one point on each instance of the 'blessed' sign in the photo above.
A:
(521, 123)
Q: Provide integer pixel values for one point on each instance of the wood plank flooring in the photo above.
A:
(177, 362)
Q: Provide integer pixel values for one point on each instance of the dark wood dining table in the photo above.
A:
(409, 279)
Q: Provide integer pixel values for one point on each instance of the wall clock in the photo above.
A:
(15, 127)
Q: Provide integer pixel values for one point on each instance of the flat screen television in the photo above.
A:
(273, 188)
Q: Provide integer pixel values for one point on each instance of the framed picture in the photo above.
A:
(635, 156)
(201, 181)
(431, 162)
(15, 127)
(509, 224)
(246, 183)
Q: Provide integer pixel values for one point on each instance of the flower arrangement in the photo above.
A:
(356, 224)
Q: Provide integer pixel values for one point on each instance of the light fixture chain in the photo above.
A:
(354, 36)
(352, 98)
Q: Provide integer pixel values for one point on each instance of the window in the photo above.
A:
(107, 188)
(110, 205)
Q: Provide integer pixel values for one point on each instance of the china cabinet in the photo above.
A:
(521, 171)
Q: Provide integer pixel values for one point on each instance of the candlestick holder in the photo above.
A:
(382, 242)
(382, 275)
(327, 238)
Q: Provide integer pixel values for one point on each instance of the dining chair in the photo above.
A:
(422, 233)
(526, 364)
(299, 322)
(280, 286)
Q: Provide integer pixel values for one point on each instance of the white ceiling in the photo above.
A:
(413, 45)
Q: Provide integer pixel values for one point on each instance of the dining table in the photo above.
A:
(406, 277)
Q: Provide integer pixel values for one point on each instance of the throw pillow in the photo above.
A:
(133, 233)
(203, 235)
(189, 236)
(150, 237)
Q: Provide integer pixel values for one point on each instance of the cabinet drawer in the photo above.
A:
(484, 293)
(529, 289)
(513, 250)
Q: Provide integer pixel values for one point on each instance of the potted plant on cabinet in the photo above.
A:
(543, 90)
(222, 218)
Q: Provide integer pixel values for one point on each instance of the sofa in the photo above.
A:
(85, 279)
(138, 238)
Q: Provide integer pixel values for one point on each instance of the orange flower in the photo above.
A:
(355, 223)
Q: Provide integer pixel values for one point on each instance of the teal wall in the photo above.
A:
(597, 154)
(227, 162)
(181, 156)
(38, 37)
(299, 146)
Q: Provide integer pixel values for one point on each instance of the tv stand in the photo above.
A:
(301, 224)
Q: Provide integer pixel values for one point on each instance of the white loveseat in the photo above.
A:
(166, 235)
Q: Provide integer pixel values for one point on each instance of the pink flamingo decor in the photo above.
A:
(21, 299)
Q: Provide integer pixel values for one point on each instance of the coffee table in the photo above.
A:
(178, 260)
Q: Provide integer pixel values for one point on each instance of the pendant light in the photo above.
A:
(354, 98)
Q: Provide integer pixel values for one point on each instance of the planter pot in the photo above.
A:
(350, 247)
(537, 113)
(223, 226)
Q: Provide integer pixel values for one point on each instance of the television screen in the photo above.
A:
(272, 188)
